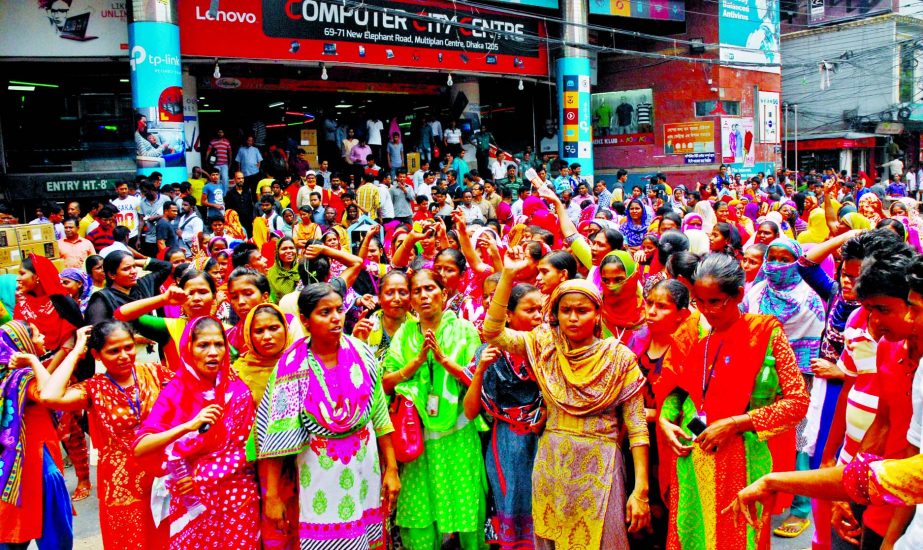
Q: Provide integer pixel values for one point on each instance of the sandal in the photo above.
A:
(82, 491)
(792, 527)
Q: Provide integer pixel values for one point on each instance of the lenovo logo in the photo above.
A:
(225, 16)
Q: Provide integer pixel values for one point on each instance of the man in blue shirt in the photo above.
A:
(213, 195)
(248, 160)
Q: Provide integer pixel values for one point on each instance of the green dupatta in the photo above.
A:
(458, 340)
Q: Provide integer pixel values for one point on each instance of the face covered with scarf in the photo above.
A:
(622, 300)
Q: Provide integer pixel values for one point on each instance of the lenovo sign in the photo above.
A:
(224, 16)
(429, 35)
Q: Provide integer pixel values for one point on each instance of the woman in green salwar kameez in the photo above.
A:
(444, 490)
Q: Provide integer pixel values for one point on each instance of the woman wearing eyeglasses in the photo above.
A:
(738, 387)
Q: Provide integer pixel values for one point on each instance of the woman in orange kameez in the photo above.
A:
(116, 402)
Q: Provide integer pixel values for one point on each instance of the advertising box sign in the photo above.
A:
(683, 138)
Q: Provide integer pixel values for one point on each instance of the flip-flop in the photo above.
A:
(81, 493)
(781, 531)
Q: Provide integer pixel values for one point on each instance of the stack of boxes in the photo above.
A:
(18, 242)
(309, 144)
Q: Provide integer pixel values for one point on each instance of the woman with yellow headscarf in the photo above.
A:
(592, 388)
(817, 231)
(267, 335)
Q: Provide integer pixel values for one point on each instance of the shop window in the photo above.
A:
(711, 108)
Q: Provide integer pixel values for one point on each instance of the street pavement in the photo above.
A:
(87, 535)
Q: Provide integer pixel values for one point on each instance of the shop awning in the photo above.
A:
(833, 140)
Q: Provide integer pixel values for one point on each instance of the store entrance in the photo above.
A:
(275, 103)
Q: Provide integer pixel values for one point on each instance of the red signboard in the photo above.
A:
(407, 33)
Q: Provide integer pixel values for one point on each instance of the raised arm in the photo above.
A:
(474, 260)
(364, 247)
(174, 296)
(53, 388)
(568, 228)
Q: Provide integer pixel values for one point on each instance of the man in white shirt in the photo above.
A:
(373, 128)
(913, 184)
(452, 138)
(127, 208)
(420, 174)
(386, 207)
(516, 207)
(425, 188)
(469, 209)
(189, 224)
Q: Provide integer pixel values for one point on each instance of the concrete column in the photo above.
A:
(573, 88)
(157, 89)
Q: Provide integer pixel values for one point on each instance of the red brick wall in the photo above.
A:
(676, 86)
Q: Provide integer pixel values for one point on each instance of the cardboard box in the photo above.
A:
(34, 234)
(10, 256)
(8, 236)
(309, 137)
(48, 250)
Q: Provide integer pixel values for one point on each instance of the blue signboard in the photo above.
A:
(157, 99)
(699, 158)
(749, 31)
(665, 10)
(575, 116)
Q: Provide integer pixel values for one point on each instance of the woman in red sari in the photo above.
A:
(198, 430)
(740, 383)
(116, 401)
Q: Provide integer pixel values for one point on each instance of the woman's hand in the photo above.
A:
(367, 301)
(458, 218)
(640, 256)
(390, 489)
(488, 357)
(274, 510)
(362, 329)
(208, 415)
(182, 487)
(314, 250)
(672, 435)
(717, 435)
(844, 522)
(637, 512)
(744, 505)
(546, 192)
(515, 260)
(430, 343)
(826, 369)
(175, 296)
(20, 360)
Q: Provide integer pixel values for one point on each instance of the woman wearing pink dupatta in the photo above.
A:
(197, 432)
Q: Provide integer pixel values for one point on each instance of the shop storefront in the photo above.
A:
(851, 151)
(270, 66)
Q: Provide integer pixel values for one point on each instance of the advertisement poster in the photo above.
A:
(830, 11)
(770, 123)
(748, 31)
(684, 138)
(157, 99)
(664, 10)
(623, 118)
(432, 35)
(64, 28)
(737, 141)
(576, 133)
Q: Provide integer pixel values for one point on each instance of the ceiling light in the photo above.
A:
(209, 110)
(124, 80)
(449, 81)
(21, 88)
(323, 71)
(276, 104)
(217, 73)
(521, 87)
(33, 84)
(342, 106)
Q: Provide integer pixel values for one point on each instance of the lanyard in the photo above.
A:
(135, 405)
(708, 369)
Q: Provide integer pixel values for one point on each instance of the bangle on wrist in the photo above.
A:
(640, 499)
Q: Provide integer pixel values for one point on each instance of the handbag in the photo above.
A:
(212, 159)
(407, 437)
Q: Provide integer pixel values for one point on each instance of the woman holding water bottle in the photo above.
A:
(199, 427)
(116, 402)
